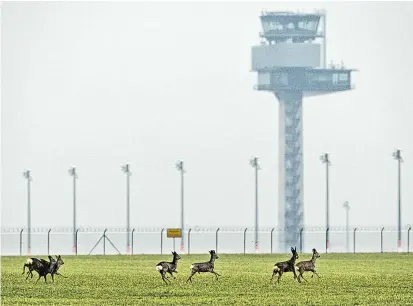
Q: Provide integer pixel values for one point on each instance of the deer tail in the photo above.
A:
(158, 268)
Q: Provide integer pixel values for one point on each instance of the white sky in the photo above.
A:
(99, 84)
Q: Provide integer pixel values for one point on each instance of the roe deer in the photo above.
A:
(308, 265)
(168, 267)
(285, 266)
(204, 266)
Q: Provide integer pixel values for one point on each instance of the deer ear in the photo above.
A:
(292, 249)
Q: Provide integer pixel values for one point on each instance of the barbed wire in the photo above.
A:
(5, 230)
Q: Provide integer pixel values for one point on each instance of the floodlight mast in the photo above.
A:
(325, 160)
(28, 177)
(256, 166)
(180, 167)
(73, 174)
(346, 206)
(398, 156)
(126, 168)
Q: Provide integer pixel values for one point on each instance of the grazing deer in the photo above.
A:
(285, 266)
(308, 265)
(168, 267)
(204, 266)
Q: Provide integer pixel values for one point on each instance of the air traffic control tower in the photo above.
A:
(291, 63)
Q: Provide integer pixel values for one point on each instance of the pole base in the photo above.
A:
(74, 250)
(257, 248)
(128, 250)
(182, 248)
(399, 246)
(29, 251)
(328, 246)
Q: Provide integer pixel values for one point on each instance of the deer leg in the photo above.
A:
(302, 276)
(295, 274)
(45, 279)
(52, 277)
(28, 274)
(216, 274)
(38, 278)
(165, 278)
(314, 272)
(280, 273)
(171, 274)
(190, 276)
(273, 273)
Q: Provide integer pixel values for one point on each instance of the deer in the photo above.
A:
(43, 267)
(204, 266)
(168, 267)
(285, 266)
(308, 265)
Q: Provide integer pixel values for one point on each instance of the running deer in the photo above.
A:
(285, 266)
(43, 267)
(308, 265)
(204, 266)
(168, 267)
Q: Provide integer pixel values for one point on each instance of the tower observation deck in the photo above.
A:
(290, 65)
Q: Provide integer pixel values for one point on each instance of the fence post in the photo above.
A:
(272, 230)
(216, 240)
(76, 240)
(408, 239)
(162, 239)
(21, 241)
(354, 240)
(301, 240)
(48, 241)
(245, 239)
(104, 241)
(327, 230)
(132, 239)
(381, 239)
(189, 241)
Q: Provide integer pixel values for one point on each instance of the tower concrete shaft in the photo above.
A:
(290, 180)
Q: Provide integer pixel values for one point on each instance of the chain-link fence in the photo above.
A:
(14, 241)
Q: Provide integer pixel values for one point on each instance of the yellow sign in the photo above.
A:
(174, 233)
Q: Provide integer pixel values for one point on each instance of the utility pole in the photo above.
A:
(126, 168)
(397, 156)
(325, 160)
(256, 166)
(346, 206)
(180, 168)
(28, 176)
(73, 174)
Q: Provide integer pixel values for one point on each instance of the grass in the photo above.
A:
(346, 279)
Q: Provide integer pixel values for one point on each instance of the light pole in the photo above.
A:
(325, 159)
(27, 176)
(180, 167)
(256, 166)
(397, 156)
(73, 174)
(126, 168)
(346, 206)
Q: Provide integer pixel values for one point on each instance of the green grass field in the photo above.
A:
(346, 279)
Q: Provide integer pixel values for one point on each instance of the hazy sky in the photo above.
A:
(99, 84)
